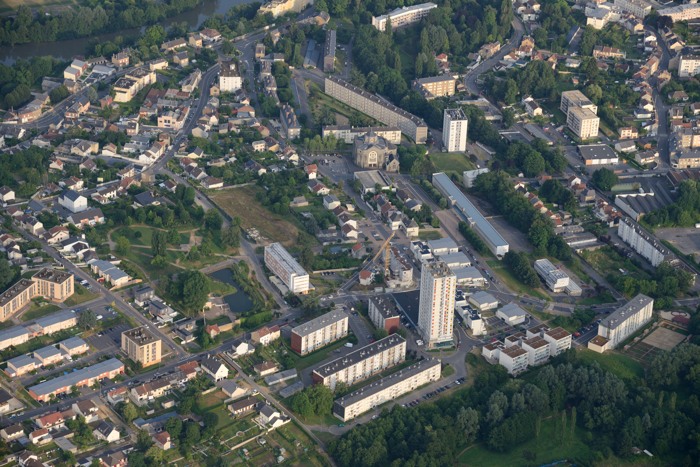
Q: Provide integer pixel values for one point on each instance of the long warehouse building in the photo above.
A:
(362, 363)
(377, 108)
(488, 233)
(386, 389)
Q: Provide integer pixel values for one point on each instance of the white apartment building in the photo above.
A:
(583, 122)
(638, 8)
(640, 241)
(570, 99)
(403, 16)
(622, 323)
(559, 340)
(537, 350)
(319, 332)
(436, 303)
(386, 389)
(454, 130)
(362, 363)
(230, 77)
(688, 66)
(286, 268)
(514, 359)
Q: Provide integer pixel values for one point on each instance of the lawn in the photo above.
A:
(514, 284)
(81, 295)
(427, 235)
(37, 310)
(317, 356)
(547, 447)
(452, 162)
(241, 202)
(141, 235)
(621, 365)
(448, 371)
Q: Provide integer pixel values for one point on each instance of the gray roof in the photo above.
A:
(211, 364)
(47, 352)
(512, 310)
(55, 318)
(483, 297)
(22, 361)
(71, 379)
(597, 151)
(469, 272)
(320, 322)
(71, 195)
(12, 333)
(382, 384)
(460, 200)
(619, 316)
(445, 242)
(363, 353)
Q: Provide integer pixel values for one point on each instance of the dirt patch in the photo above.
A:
(241, 202)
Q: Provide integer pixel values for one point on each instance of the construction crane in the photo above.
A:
(385, 248)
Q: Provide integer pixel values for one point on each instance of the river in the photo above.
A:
(239, 302)
(64, 50)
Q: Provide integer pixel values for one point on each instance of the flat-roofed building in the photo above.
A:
(329, 51)
(512, 314)
(54, 285)
(384, 313)
(378, 108)
(454, 130)
(435, 86)
(483, 301)
(471, 214)
(537, 350)
(319, 332)
(16, 297)
(436, 305)
(598, 154)
(583, 122)
(559, 340)
(141, 346)
(362, 363)
(688, 66)
(386, 389)
(642, 242)
(347, 133)
(555, 278)
(286, 268)
(514, 359)
(625, 321)
(83, 377)
(576, 98)
(404, 16)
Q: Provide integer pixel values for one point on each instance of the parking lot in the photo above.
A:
(434, 393)
(110, 338)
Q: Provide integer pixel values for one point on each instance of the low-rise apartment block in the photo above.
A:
(84, 377)
(377, 108)
(286, 268)
(230, 77)
(435, 86)
(141, 346)
(601, 51)
(514, 359)
(329, 51)
(129, 85)
(622, 323)
(684, 12)
(319, 332)
(642, 242)
(404, 16)
(638, 8)
(48, 283)
(386, 389)
(384, 313)
(362, 363)
(290, 123)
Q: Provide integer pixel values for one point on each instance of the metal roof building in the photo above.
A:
(471, 214)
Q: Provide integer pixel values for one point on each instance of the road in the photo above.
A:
(661, 107)
(169, 346)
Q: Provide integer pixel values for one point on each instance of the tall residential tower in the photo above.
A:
(454, 130)
(438, 286)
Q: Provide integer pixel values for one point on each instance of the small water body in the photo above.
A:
(239, 302)
(64, 50)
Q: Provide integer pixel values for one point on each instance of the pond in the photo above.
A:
(239, 302)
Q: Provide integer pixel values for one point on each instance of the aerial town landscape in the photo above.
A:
(346, 233)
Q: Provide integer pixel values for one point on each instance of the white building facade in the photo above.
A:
(437, 302)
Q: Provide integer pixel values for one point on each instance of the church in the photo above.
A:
(371, 151)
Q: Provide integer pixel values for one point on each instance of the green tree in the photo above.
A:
(604, 179)
(87, 319)
(123, 246)
(128, 412)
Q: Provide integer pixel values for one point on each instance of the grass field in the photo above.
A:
(452, 162)
(37, 311)
(146, 234)
(514, 284)
(241, 202)
(607, 261)
(81, 295)
(548, 447)
(621, 365)
(427, 235)
(7, 6)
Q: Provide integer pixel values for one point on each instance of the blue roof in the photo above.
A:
(488, 231)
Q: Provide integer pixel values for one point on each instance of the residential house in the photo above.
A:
(214, 368)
